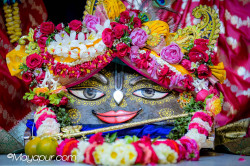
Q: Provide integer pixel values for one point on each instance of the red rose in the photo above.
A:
(201, 95)
(196, 54)
(40, 77)
(118, 31)
(187, 65)
(42, 42)
(59, 27)
(122, 49)
(63, 101)
(40, 101)
(202, 43)
(214, 59)
(204, 71)
(27, 77)
(137, 22)
(108, 37)
(75, 25)
(98, 138)
(47, 27)
(34, 61)
(124, 17)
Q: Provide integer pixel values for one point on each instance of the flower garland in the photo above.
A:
(12, 18)
(144, 151)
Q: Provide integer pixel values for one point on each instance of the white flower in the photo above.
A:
(78, 153)
(100, 47)
(205, 125)
(101, 28)
(48, 127)
(165, 154)
(91, 38)
(199, 138)
(194, 65)
(200, 84)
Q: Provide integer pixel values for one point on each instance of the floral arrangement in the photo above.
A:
(131, 150)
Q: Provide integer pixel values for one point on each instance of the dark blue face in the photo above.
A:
(95, 99)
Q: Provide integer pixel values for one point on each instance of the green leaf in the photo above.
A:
(67, 29)
(156, 139)
(131, 19)
(135, 138)
(113, 137)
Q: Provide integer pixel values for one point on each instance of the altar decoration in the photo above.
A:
(59, 56)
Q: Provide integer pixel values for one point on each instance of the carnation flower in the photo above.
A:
(213, 105)
(172, 53)
(98, 138)
(199, 138)
(164, 74)
(48, 127)
(144, 60)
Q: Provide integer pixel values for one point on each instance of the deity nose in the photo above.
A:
(118, 94)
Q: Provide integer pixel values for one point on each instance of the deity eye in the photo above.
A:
(87, 93)
(149, 93)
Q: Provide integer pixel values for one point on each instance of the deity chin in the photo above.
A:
(97, 102)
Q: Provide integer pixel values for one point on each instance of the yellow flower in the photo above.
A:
(41, 90)
(214, 105)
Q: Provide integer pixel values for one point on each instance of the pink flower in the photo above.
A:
(139, 37)
(75, 25)
(40, 77)
(172, 53)
(202, 44)
(197, 54)
(119, 30)
(34, 61)
(59, 27)
(91, 21)
(204, 71)
(122, 49)
(124, 17)
(187, 65)
(59, 149)
(201, 95)
(133, 53)
(144, 60)
(188, 82)
(153, 67)
(137, 22)
(47, 28)
(40, 101)
(61, 69)
(164, 74)
(192, 151)
(27, 77)
(63, 101)
(108, 37)
(213, 105)
(97, 138)
(176, 81)
(42, 117)
(214, 59)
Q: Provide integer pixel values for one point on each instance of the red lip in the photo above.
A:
(116, 117)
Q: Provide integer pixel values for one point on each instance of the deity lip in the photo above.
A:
(119, 116)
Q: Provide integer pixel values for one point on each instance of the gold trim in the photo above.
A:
(89, 7)
(118, 127)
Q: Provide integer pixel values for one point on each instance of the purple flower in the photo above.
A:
(172, 53)
(139, 37)
(91, 21)
(133, 53)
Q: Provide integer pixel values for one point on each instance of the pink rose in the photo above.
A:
(40, 101)
(47, 28)
(63, 101)
(197, 54)
(42, 42)
(139, 37)
(118, 31)
(187, 65)
(34, 61)
(122, 49)
(204, 71)
(59, 27)
(137, 22)
(108, 37)
(124, 17)
(201, 95)
(172, 53)
(27, 77)
(91, 21)
(75, 25)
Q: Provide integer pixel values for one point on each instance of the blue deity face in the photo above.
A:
(119, 94)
